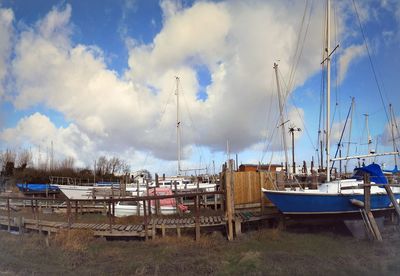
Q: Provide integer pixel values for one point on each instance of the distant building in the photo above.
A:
(258, 167)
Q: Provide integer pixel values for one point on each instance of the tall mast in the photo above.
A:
(351, 124)
(281, 115)
(328, 90)
(392, 124)
(178, 126)
(369, 139)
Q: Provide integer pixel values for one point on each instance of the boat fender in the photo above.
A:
(357, 202)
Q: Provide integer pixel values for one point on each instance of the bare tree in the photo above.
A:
(126, 169)
(24, 159)
(102, 165)
(67, 163)
(8, 161)
(115, 165)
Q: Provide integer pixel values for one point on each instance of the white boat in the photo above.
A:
(167, 206)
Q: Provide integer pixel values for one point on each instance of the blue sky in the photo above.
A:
(98, 77)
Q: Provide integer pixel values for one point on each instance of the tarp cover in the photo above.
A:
(36, 187)
(375, 173)
(395, 170)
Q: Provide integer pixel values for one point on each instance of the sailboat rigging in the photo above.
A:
(339, 196)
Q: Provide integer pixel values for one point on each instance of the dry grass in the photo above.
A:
(268, 251)
(75, 241)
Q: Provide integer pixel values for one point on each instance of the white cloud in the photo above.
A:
(237, 42)
(349, 56)
(6, 32)
(38, 130)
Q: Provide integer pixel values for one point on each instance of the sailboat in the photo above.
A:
(181, 182)
(339, 196)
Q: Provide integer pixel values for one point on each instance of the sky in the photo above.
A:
(92, 78)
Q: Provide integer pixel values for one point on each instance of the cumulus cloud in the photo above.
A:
(349, 56)
(6, 19)
(237, 42)
(38, 130)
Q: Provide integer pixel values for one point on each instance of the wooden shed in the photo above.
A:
(259, 167)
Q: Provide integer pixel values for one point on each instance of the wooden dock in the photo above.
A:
(154, 226)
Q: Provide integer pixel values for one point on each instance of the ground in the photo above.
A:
(257, 252)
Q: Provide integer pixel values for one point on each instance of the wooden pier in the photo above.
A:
(155, 226)
(238, 202)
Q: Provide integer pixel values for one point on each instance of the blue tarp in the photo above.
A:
(38, 188)
(395, 170)
(375, 173)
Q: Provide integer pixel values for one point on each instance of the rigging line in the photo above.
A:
(270, 139)
(296, 52)
(298, 113)
(268, 120)
(158, 123)
(335, 64)
(291, 80)
(196, 143)
(341, 137)
(370, 60)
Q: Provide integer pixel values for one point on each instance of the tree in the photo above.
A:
(68, 163)
(24, 159)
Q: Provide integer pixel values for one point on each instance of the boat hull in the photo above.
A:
(301, 203)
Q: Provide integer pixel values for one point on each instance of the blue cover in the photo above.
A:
(395, 170)
(375, 173)
(38, 188)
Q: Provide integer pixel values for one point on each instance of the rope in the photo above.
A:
(370, 60)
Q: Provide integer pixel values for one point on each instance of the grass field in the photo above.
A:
(263, 252)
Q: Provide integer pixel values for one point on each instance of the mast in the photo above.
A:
(351, 123)
(369, 140)
(178, 127)
(392, 124)
(328, 90)
(281, 115)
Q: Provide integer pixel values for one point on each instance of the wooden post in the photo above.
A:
(176, 199)
(33, 209)
(367, 194)
(197, 219)
(145, 219)
(178, 230)
(262, 181)
(20, 225)
(76, 210)
(238, 227)
(367, 205)
(137, 194)
(393, 199)
(157, 203)
(8, 215)
(163, 230)
(153, 230)
(109, 215)
(37, 216)
(113, 209)
(69, 213)
(149, 201)
(228, 197)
